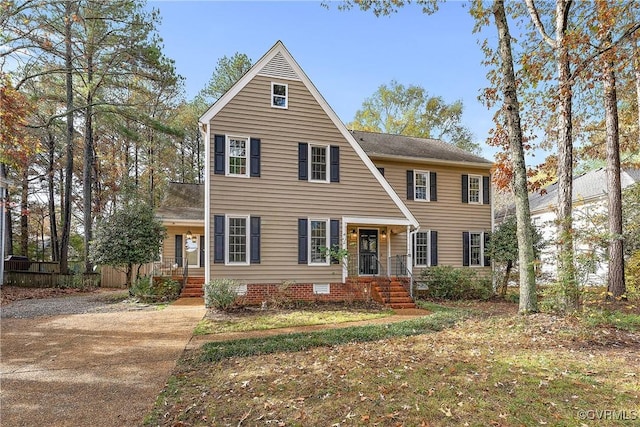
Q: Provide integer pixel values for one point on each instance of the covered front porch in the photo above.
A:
(182, 257)
(379, 258)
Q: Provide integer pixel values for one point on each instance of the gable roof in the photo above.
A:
(401, 146)
(588, 186)
(278, 62)
(182, 202)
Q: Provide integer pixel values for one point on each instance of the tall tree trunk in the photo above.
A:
(636, 63)
(528, 299)
(24, 212)
(53, 226)
(87, 169)
(566, 266)
(66, 209)
(616, 285)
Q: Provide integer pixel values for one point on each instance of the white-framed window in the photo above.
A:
(475, 248)
(318, 241)
(237, 250)
(475, 189)
(237, 156)
(279, 95)
(318, 161)
(421, 251)
(421, 185)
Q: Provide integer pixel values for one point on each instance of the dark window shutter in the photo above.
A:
(302, 241)
(303, 167)
(201, 251)
(255, 240)
(219, 149)
(465, 188)
(410, 190)
(434, 248)
(381, 170)
(335, 163)
(255, 157)
(485, 190)
(465, 248)
(433, 187)
(487, 259)
(335, 238)
(218, 239)
(178, 250)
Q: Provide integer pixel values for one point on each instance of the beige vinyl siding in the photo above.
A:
(278, 197)
(448, 215)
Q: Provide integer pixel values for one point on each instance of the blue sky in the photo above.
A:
(347, 54)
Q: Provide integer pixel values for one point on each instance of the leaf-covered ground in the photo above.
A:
(498, 369)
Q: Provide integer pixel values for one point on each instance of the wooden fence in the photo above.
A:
(111, 277)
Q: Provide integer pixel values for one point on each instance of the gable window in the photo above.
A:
(474, 246)
(279, 95)
(318, 241)
(237, 156)
(425, 248)
(318, 163)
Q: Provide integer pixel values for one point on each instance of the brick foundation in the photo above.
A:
(257, 293)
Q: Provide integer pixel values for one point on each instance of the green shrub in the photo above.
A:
(221, 293)
(632, 277)
(445, 282)
(160, 290)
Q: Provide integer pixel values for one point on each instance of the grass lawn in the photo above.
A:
(476, 365)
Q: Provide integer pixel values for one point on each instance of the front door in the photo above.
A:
(367, 252)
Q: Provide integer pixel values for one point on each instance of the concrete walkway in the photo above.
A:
(99, 369)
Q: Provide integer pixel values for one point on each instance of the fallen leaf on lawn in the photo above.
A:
(446, 412)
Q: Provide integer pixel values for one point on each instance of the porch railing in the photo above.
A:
(171, 267)
(398, 265)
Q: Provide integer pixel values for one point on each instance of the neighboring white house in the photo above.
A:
(589, 201)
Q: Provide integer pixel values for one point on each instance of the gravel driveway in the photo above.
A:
(75, 304)
(82, 361)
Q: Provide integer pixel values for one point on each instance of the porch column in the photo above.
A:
(410, 235)
(343, 244)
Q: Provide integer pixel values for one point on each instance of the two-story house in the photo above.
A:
(285, 180)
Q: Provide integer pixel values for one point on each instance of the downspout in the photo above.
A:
(411, 235)
(204, 128)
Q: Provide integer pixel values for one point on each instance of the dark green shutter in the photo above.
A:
(255, 240)
(433, 187)
(487, 259)
(335, 163)
(465, 248)
(381, 170)
(410, 190)
(219, 150)
(201, 251)
(218, 239)
(465, 188)
(255, 157)
(178, 249)
(434, 248)
(302, 241)
(303, 166)
(485, 190)
(335, 238)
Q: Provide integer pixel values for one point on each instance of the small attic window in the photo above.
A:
(279, 95)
